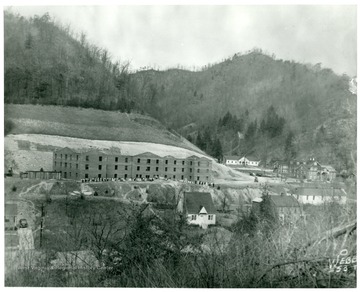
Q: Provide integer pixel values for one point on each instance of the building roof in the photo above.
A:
(231, 157)
(329, 168)
(252, 158)
(284, 201)
(11, 209)
(195, 201)
(257, 200)
(317, 191)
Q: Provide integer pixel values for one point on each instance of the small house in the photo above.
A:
(232, 160)
(249, 161)
(317, 195)
(286, 207)
(199, 209)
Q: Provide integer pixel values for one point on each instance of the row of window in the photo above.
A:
(66, 165)
(139, 176)
(210, 217)
(148, 168)
(148, 161)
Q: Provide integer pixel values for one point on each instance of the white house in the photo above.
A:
(320, 195)
(231, 160)
(199, 209)
(249, 161)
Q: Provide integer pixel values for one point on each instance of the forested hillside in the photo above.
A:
(47, 63)
(257, 104)
(250, 103)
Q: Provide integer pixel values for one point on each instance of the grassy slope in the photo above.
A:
(91, 124)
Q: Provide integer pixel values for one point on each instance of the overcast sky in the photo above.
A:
(164, 36)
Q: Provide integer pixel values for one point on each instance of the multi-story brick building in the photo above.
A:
(112, 164)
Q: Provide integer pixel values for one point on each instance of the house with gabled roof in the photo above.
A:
(231, 160)
(249, 161)
(320, 194)
(286, 207)
(199, 209)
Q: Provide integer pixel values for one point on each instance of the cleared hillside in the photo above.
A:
(90, 124)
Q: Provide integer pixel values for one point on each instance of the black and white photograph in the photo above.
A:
(155, 145)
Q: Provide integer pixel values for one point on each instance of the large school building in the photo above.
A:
(112, 164)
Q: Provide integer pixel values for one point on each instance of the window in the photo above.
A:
(148, 161)
(182, 177)
(64, 174)
(207, 178)
(115, 175)
(138, 168)
(69, 174)
(86, 175)
(126, 160)
(198, 178)
(157, 169)
(165, 168)
(126, 167)
(157, 161)
(183, 162)
(193, 217)
(116, 167)
(148, 168)
(190, 169)
(100, 158)
(70, 165)
(60, 164)
(77, 157)
(125, 176)
(199, 163)
(116, 159)
(99, 175)
(166, 161)
(77, 166)
(87, 157)
(174, 176)
(190, 177)
(138, 161)
(86, 166)
(65, 156)
(198, 170)
(165, 176)
(174, 169)
(60, 156)
(174, 161)
(55, 155)
(65, 164)
(77, 175)
(99, 167)
(183, 169)
(210, 217)
(190, 162)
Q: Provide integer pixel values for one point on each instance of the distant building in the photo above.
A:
(287, 207)
(249, 161)
(232, 160)
(241, 161)
(310, 170)
(112, 164)
(43, 175)
(199, 209)
(317, 195)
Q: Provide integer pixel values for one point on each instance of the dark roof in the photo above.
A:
(11, 209)
(232, 157)
(313, 191)
(252, 158)
(194, 201)
(284, 201)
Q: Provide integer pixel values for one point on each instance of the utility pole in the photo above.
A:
(41, 223)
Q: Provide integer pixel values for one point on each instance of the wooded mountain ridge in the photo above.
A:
(250, 103)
